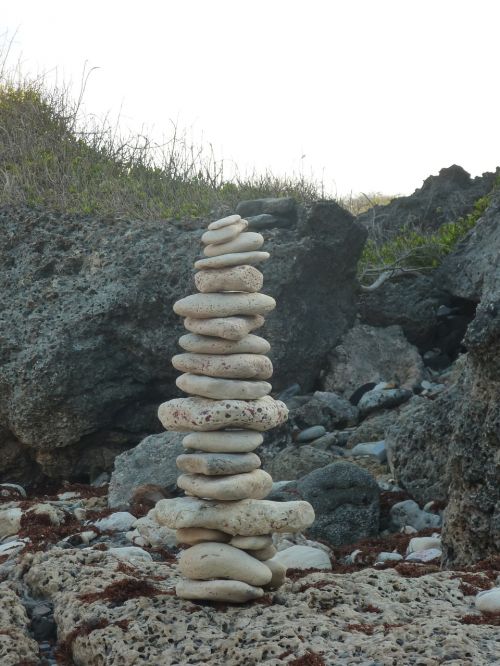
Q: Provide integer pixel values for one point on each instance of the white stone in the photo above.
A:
(426, 555)
(202, 414)
(232, 591)
(234, 259)
(488, 601)
(10, 521)
(153, 533)
(13, 486)
(251, 542)
(278, 572)
(228, 328)
(230, 304)
(224, 234)
(255, 485)
(205, 344)
(247, 517)
(216, 464)
(87, 536)
(120, 521)
(208, 560)
(227, 441)
(303, 557)
(389, 557)
(11, 547)
(247, 241)
(224, 222)
(423, 543)
(235, 278)
(194, 535)
(130, 553)
(264, 554)
(222, 389)
(229, 366)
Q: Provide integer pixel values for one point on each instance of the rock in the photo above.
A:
(229, 328)
(375, 425)
(224, 234)
(231, 441)
(289, 393)
(218, 463)
(488, 601)
(303, 557)
(389, 557)
(294, 462)
(247, 517)
(376, 449)
(224, 222)
(234, 259)
(11, 547)
(251, 542)
(232, 591)
(418, 544)
(409, 513)
(121, 521)
(314, 432)
(130, 553)
(194, 535)
(12, 491)
(345, 499)
(383, 399)
(264, 554)
(265, 221)
(427, 555)
(201, 414)
(207, 561)
(209, 306)
(232, 366)
(278, 572)
(326, 409)
(222, 389)
(10, 521)
(150, 462)
(254, 485)
(204, 344)
(285, 207)
(237, 278)
(16, 644)
(154, 534)
(244, 242)
(368, 354)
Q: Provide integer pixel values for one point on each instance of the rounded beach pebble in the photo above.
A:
(235, 278)
(207, 306)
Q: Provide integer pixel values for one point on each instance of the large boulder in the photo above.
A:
(87, 328)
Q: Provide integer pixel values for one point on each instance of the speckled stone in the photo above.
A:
(235, 278)
(228, 328)
(222, 389)
(208, 306)
(205, 344)
(230, 366)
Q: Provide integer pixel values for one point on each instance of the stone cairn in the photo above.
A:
(224, 518)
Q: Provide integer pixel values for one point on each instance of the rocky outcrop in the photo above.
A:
(85, 316)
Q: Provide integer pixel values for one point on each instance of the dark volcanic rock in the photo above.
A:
(87, 328)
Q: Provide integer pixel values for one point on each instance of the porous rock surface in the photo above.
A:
(16, 645)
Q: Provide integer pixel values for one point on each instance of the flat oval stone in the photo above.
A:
(248, 517)
(220, 389)
(228, 328)
(207, 306)
(233, 259)
(265, 553)
(250, 485)
(214, 464)
(234, 278)
(278, 571)
(205, 344)
(232, 366)
(202, 414)
(206, 561)
(226, 441)
(244, 242)
(224, 222)
(251, 542)
(194, 535)
(224, 234)
(231, 591)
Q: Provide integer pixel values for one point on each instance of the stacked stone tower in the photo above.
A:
(224, 517)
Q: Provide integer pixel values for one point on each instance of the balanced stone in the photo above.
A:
(216, 464)
(207, 306)
(264, 553)
(207, 561)
(224, 441)
(244, 242)
(202, 414)
(194, 535)
(220, 389)
(224, 222)
(224, 234)
(236, 259)
(278, 571)
(248, 517)
(229, 328)
(254, 485)
(205, 344)
(235, 278)
(232, 591)
(232, 366)
(251, 542)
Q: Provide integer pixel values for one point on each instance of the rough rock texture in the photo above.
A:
(345, 499)
(86, 312)
(327, 409)
(369, 354)
(16, 646)
(294, 462)
(150, 462)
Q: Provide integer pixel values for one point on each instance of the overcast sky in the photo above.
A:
(369, 95)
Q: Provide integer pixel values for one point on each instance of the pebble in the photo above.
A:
(278, 571)
(255, 485)
(236, 278)
(222, 389)
(389, 557)
(10, 521)
(11, 546)
(224, 234)
(423, 543)
(409, 513)
(207, 560)
(426, 555)
(205, 344)
(303, 557)
(121, 521)
(248, 517)
(376, 449)
(153, 533)
(208, 306)
(236, 259)
(265, 553)
(218, 463)
(229, 328)
(233, 366)
(251, 542)
(488, 601)
(227, 441)
(247, 241)
(224, 222)
(194, 535)
(383, 399)
(130, 553)
(232, 591)
(314, 432)
(202, 414)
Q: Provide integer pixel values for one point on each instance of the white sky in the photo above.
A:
(377, 94)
